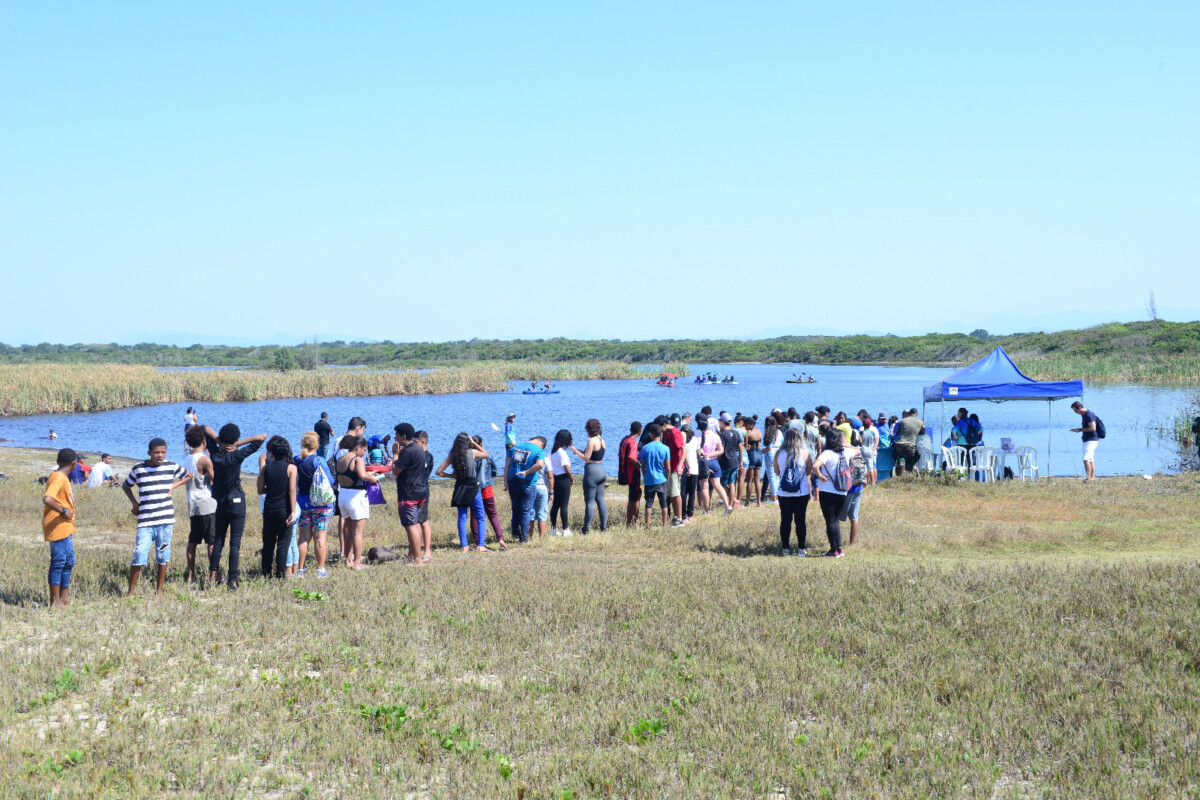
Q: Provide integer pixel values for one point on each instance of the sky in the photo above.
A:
(435, 171)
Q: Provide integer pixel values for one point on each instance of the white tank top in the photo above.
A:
(199, 490)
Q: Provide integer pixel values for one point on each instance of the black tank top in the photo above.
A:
(598, 453)
(358, 482)
(276, 479)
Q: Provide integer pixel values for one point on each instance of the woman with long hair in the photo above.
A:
(754, 460)
(277, 485)
(560, 465)
(691, 474)
(487, 479)
(352, 478)
(594, 475)
(711, 450)
(314, 520)
(772, 440)
(831, 499)
(464, 458)
(791, 466)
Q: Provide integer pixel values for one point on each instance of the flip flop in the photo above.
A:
(426, 559)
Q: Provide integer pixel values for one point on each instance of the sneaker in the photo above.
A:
(801, 552)
(556, 532)
(677, 523)
(300, 573)
(322, 573)
(831, 554)
(839, 553)
(785, 552)
(566, 532)
(728, 511)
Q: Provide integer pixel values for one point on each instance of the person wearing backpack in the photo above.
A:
(1093, 431)
(791, 465)
(315, 496)
(629, 472)
(860, 474)
(833, 471)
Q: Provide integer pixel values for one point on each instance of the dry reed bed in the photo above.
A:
(664, 664)
(48, 389)
(1135, 368)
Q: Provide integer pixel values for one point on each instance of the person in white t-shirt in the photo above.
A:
(560, 466)
(102, 474)
(691, 481)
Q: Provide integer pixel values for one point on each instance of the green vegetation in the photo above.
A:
(998, 641)
(37, 389)
(1154, 352)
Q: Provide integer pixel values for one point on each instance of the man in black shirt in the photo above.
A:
(412, 489)
(227, 451)
(324, 433)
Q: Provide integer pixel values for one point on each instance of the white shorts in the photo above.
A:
(1089, 450)
(353, 503)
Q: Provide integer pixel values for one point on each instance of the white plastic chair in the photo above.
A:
(1027, 462)
(954, 458)
(983, 463)
(925, 459)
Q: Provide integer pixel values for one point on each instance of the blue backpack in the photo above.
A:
(792, 478)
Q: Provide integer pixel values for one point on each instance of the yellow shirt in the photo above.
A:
(846, 430)
(56, 526)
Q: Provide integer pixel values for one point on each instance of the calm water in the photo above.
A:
(1126, 411)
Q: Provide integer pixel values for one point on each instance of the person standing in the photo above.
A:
(771, 442)
(277, 485)
(560, 466)
(754, 461)
(314, 519)
(1093, 431)
(520, 472)
(510, 435)
(711, 451)
(412, 485)
(487, 480)
(673, 439)
(155, 479)
(594, 475)
(654, 460)
(227, 450)
(870, 445)
(730, 459)
(464, 458)
(629, 472)
(831, 467)
(58, 528)
(905, 440)
(355, 505)
(202, 508)
(791, 466)
(324, 433)
(691, 475)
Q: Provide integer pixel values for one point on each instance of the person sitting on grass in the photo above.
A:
(155, 479)
(102, 474)
(58, 528)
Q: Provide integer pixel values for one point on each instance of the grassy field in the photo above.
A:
(1003, 641)
(46, 389)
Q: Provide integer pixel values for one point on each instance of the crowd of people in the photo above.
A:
(685, 465)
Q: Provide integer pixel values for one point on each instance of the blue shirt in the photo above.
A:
(655, 456)
(524, 456)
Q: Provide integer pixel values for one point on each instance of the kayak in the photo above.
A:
(724, 383)
(801, 381)
(540, 391)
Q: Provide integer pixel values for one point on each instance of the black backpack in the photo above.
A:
(1100, 430)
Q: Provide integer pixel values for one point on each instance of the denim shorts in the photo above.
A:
(157, 535)
(754, 459)
(850, 507)
(654, 490)
(62, 561)
(714, 468)
(541, 503)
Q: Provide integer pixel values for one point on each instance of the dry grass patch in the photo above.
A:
(677, 663)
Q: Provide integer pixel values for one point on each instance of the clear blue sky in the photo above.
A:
(432, 171)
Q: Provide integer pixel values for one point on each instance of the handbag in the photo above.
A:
(464, 495)
(375, 494)
(321, 493)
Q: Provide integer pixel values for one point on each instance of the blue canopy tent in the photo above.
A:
(996, 378)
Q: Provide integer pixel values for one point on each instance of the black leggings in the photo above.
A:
(277, 538)
(562, 497)
(690, 484)
(793, 508)
(831, 506)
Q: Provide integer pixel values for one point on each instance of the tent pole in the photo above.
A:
(943, 433)
(1049, 435)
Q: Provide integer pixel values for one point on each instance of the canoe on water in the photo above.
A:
(540, 391)
(801, 381)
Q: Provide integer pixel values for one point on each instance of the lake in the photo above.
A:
(1127, 412)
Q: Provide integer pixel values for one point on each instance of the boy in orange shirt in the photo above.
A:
(58, 528)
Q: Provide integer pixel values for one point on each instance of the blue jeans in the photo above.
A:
(476, 509)
(157, 535)
(324, 450)
(62, 561)
(521, 496)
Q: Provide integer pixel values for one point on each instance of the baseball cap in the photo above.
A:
(676, 419)
(726, 418)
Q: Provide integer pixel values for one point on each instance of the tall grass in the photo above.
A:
(1132, 367)
(49, 389)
